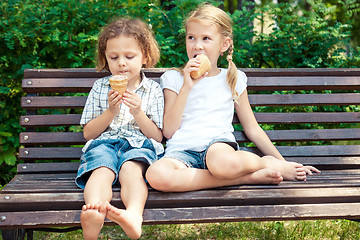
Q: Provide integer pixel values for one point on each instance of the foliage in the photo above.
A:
(299, 41)
(63, 34)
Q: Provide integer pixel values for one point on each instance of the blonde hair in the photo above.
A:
(214, 15)
(128, 27)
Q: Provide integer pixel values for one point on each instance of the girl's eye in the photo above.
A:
(206, 38)
(114, 58)
(129, 57)
(191, 37)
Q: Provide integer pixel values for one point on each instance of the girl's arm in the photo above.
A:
(147, 126)
(175, 103)
(173, 110)
(98, 125)
(252, 129)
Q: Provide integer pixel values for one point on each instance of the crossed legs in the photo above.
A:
(226, 167)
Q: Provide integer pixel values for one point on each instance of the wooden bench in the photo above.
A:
(323, 130)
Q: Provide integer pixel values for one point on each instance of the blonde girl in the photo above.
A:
(201, 151)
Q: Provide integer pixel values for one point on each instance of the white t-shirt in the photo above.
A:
(208, 112)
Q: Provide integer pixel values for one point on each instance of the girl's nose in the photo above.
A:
(121, 61)
(199, 45)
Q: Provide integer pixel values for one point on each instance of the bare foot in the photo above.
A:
(130, 222)
(265, 176)
(92, 220)
(288, 170)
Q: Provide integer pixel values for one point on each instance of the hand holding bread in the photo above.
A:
(205, 66)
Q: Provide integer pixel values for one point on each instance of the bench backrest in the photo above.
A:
(311, 114)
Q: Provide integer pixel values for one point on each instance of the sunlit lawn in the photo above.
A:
(315, 229)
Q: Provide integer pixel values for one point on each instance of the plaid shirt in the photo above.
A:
(124, 125)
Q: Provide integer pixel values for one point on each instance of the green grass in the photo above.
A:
(315, 229)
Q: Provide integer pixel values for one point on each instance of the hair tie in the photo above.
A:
(229, 57)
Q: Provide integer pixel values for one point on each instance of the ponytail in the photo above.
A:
(231, 75)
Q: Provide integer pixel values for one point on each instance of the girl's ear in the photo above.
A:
(226, 44)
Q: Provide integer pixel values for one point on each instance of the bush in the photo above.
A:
(63, 34)
(300, 41)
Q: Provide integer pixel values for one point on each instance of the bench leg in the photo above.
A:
(29, 234)
(13, 234)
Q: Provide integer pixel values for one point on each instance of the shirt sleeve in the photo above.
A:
(172, 80)
(241, 83)
(91, 109)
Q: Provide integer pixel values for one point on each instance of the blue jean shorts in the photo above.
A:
(112, 153)
(196, 159)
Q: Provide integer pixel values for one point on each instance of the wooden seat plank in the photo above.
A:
(304, 83)
(53, 102)
(284, 212)
(306, 135)
(70, 85)
(340, 162)
(304, 99)
(266, 118)
(204, 198)
(52, 138)
(260, 72)
(255, 100)
(71, 138)
(73, 153)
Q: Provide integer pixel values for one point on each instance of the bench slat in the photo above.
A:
(53, 102)
(305, 99)
(255, 100)
(52, 138)
(62, 85)
(205, 198)
(74, 153)
(260, 72)
(64, 183)
(284, 212)
(306, 135)
(304, 83)
(266, 118)
(81, 73)
(72, 138)
(66, 167)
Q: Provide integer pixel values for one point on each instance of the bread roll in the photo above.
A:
(205, 66)
(118, 83)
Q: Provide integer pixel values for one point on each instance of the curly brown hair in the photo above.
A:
(128, 27)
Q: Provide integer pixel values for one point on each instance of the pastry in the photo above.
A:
(204, 66)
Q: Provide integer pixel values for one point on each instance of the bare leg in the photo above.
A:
(92, 220)
(224, 162)
(170, 175)
(98, 189)
(134, 193)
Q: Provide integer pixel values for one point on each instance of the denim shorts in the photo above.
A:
(112, 153)
(196, 159)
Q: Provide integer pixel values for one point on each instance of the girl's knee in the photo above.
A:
(224, 167)
(159, 178)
